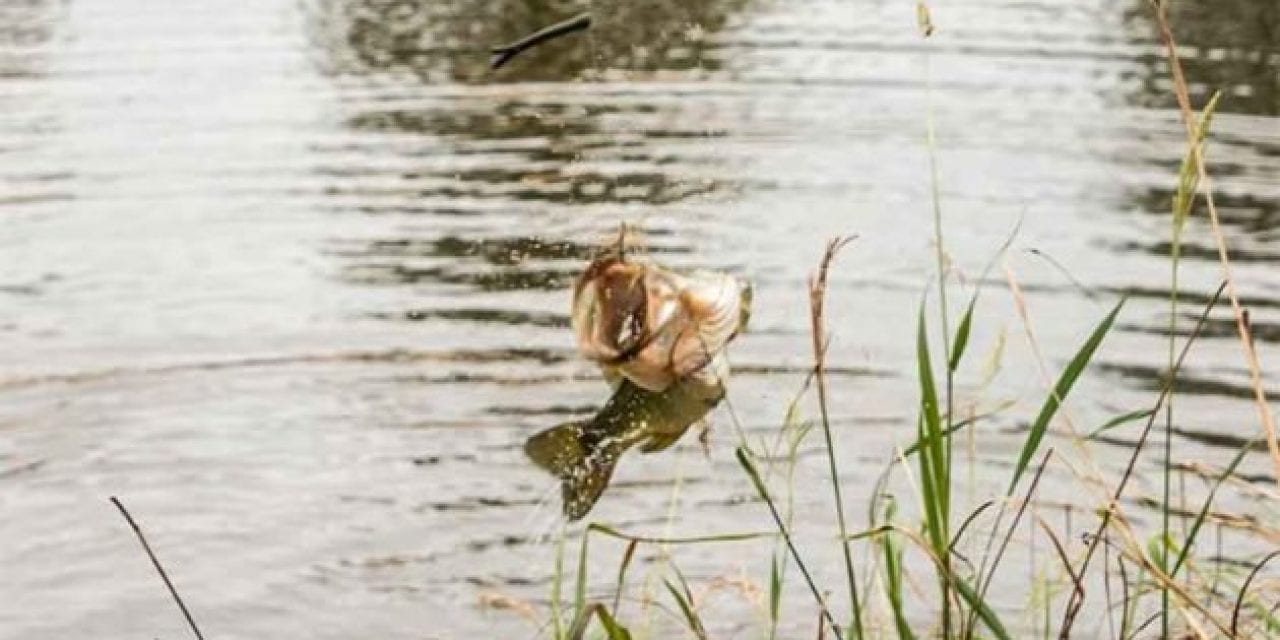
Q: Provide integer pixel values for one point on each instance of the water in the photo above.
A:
(290, 277)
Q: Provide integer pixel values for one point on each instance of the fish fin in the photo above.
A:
(582, 488)
(584, 467)
(704, 437)
(558, 450)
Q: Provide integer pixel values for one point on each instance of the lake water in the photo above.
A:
(290, 278)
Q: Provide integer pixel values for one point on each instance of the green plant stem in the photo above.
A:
(557, 615)
(750, 468)
(1168, 421)
(940, 254)
(1077, 599)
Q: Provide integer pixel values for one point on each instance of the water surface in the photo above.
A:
(290, 277)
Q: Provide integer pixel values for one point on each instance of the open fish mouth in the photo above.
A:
(651, 325)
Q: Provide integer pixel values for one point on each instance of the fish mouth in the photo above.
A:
(654, 326)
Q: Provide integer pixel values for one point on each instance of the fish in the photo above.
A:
(659, 339)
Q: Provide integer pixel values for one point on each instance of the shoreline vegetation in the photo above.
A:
(921, 567)
(1158, 579)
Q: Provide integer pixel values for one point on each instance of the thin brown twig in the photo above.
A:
(1167, 583)
(817, 304)
(159, 569)
(1235, 612)
(1077, 599)
(1077, 580)
(503, 54)
(1145, 623)
(1022, 507)
(964, 526)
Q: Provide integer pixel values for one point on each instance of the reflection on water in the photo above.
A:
(309, 296)
(508, 147)
(1244, 213)
(449, 40)
(26, 28)
(1232, 46)
(29, 29)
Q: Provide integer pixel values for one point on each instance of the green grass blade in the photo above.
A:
(935, 465)
(915, 446)
(893, 575)
(928, 387)
(1120, 420)
(1204, 510)
(685, 602)
(962, 335)
(928, 492)
(935, 476)
(627, 556)
(1158, 549)
(1060, 390)
(613, 630)
(985, 613)
(775, 594)
(580, 589)
(722, 537)
(611, 626)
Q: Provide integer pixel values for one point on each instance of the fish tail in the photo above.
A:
(583, 464)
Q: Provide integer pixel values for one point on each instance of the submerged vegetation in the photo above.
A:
(938, 570)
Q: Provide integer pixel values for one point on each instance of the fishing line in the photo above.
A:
(539, 522)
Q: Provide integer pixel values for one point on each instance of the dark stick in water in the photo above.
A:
(503, 54)
(164, 576)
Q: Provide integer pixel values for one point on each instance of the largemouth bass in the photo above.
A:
(659, 339)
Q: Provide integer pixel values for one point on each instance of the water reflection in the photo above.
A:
(1153, 378)
(1232, 46)
(1238, 255)
(1227, 45)
(1223, 327)
(26, 28)
(1248, 213)
(31, 175)
(450, 40)
(519, 152)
